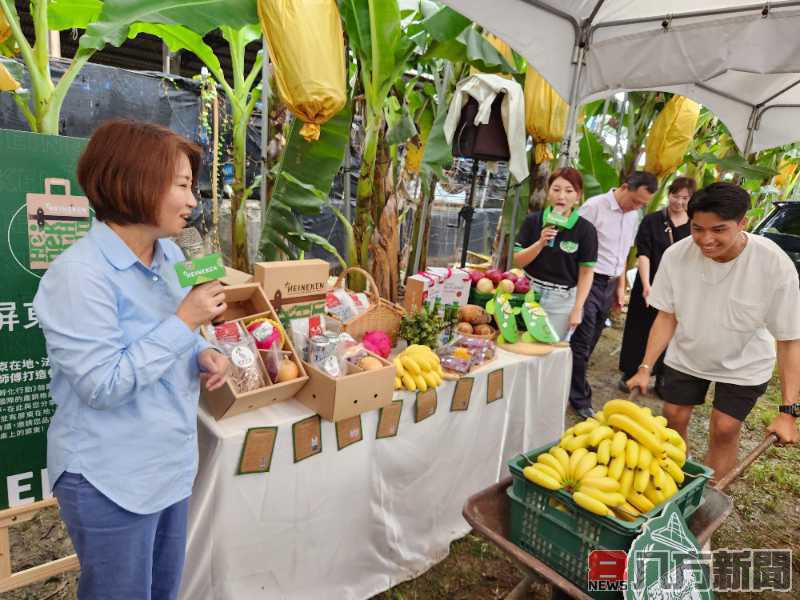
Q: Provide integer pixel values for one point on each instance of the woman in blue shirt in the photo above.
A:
(126, 362)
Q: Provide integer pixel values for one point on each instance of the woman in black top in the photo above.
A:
(657, 232)
(558, 249)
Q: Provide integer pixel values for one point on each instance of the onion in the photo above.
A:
(287, 371)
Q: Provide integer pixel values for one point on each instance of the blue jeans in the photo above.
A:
(558, 305)
(123, 555)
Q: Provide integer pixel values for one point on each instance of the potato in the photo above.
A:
(464, 327)
(483, 329)
(472, 314)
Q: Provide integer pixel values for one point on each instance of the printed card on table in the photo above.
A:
(426, 405)
(462, 394)
(307, 438)
(259, 444)
(389, 420)
(494, 386)
(348, 431)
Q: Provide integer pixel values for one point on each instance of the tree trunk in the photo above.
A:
(240, 257)
(538, 186)
(427, 207)
(362, 227)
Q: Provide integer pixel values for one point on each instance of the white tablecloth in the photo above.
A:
(350, 523)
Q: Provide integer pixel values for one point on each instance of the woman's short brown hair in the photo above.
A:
(571, 175)
(127, 168)
(682, 183)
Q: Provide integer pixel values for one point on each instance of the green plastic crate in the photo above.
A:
(563, 540)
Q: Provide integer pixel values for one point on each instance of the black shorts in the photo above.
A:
(687, 390)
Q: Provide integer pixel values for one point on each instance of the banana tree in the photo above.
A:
(376, 38)
(181, 26)
(41, 104)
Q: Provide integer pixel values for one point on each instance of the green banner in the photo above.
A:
(42, 212)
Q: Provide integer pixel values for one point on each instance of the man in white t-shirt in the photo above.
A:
(724, 298)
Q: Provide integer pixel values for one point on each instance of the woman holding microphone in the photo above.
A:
(126, 364)
(559, 259)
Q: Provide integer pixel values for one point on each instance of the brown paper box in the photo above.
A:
(337, 398)
(234, 277)
(293, 281)
(248, 300)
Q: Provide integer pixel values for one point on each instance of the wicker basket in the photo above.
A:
(381, 315)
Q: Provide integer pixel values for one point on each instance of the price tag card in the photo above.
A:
(462, 394)
(494, 386)
(348, 431)
(426, 405)
(389, 420)
(259, 443)
(200, 270)
(307, 438)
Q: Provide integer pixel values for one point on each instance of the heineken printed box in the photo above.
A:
(296, 288)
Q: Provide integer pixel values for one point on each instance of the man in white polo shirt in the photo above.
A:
(615, 217)
(724, 298)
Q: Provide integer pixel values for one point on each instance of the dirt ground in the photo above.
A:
(766, 515)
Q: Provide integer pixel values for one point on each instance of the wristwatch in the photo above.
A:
(791, 409)
(645, 366)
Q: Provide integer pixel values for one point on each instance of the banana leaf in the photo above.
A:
(737, 164)
(438, 153)
(69, 14)
(305, 176)
(595, 166)
(445, 24)
(117, 16)
(472, 48)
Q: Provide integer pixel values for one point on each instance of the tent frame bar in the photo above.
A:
(585, 31)
(545, 6)
(667, 18)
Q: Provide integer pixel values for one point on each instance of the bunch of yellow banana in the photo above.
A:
(418, 369)
(640, 459)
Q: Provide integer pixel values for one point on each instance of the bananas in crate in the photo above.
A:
(622, 462)
(418, 369)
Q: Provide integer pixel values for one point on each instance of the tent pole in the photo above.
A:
(572, 115)
(752, 125)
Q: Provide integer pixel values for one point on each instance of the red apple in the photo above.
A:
(494, 275)
(522, 286)
(506, 285)
(485, 286)
(475, 276)
(511, 276)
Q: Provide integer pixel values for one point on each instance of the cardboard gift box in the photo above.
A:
(360, 391)
(245, 302)
(448, 285)
(296, 288)
(234, 277)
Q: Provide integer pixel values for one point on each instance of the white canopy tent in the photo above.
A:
(740, 59)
